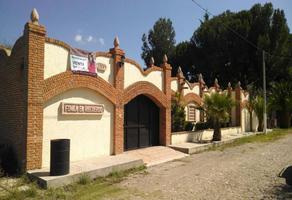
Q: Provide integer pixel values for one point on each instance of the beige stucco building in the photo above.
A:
(117, 108)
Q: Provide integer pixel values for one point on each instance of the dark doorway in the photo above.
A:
(141, 125)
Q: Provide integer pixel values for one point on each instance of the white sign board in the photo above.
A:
(79, 63)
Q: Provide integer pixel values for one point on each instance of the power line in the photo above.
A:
(240, 36)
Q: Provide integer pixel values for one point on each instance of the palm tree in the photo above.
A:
(217, 107)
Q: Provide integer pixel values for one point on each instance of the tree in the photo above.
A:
(177, 114)
(280, 100)
(217, 107)
(183, 55)
(159, 41)
(221, 53)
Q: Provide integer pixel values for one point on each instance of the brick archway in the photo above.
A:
(191, 97)
(147, 89)
(67, 80)
(159, 98)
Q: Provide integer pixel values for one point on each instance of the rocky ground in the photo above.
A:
(248, 171)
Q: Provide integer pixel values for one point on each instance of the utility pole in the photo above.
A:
(265, 94)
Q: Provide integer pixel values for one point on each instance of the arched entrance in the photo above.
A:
(141, 123)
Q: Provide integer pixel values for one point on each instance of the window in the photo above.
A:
(192, 113)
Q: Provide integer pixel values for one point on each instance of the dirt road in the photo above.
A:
(248, 171)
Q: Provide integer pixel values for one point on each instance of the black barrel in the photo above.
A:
(60, 157)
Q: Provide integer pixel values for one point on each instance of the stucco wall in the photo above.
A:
(56, 60)
(108, 74)
(174, 85)
(195, 89)
(255, 121)
(95, 133)
(245, 120)
(244, 97)
(191, 136)
(133, 75)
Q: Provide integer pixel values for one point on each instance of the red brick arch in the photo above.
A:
(147, 89)
(67, 80)
(244, 104)
(191, 97)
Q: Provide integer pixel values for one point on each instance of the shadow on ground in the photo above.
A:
(283, 191)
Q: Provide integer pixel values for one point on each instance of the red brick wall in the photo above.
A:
(165, 113)
(65, 81)
(13, 100)
(21, 100)
(35, 47)
(192, 97)
(238, 107)
(117, 54)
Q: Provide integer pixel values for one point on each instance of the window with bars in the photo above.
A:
(192, 113)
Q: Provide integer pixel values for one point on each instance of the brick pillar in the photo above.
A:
(118, 56)
(151, 63)
(181, 82)
(216, 85)
(229, 93)
(238, 100)
(165, 113)
(34, 35)
(202, 86)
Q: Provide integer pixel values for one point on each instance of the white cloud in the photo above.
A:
(90, 39)
(78, 38)
(101, 41)
(81, 39)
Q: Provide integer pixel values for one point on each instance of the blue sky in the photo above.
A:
(92, 25)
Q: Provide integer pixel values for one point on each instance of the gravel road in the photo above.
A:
(248, 171)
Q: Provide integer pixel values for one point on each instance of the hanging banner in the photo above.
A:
(82, 62)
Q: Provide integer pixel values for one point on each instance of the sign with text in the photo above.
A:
(79, 63)
(81, 109)
(82, 61)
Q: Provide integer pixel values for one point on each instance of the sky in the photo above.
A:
(93, 24)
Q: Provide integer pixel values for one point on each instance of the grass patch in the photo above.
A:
(85, 188)
(27, 192)
(84, 179)
(30, 192)
(258, 138)
(117, 176)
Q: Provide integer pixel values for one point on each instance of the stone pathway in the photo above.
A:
(156, 155)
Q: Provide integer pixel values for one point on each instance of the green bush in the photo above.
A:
(177, 115)
(202, 125)
(189, 126)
